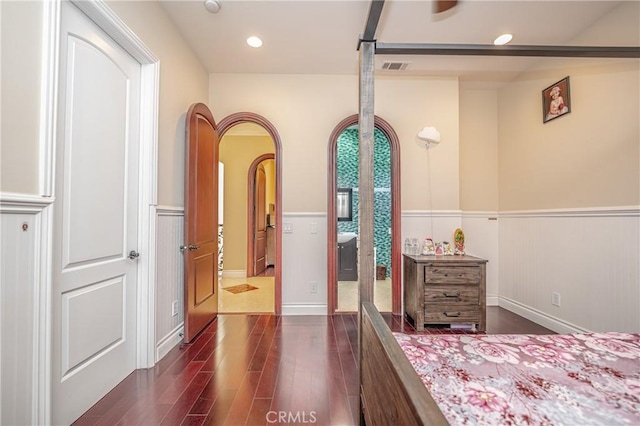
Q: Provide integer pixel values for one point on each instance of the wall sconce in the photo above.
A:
(428, 136)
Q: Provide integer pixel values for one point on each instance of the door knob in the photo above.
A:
(193, 247)
(133, 255)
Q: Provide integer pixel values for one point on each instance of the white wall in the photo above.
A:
(305, 109)
(169, 278)
(22, 40)
(482, 240)
(569, 190)
(305, 261)
(589, 256)
(24, 355)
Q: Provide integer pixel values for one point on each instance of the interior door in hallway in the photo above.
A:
(95, 234)
(260, 222)
(201, 221)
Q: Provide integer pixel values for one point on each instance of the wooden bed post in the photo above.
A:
(365, 196)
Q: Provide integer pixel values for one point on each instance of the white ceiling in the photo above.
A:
(321, 37)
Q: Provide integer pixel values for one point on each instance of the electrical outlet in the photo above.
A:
(287, 228)
(174, 308)
(314, 228)
(314, 288)
(555, 299)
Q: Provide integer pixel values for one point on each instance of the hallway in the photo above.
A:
(247, 295)
(246, 367)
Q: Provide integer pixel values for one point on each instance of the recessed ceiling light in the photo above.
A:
(212, 6)
(254, 41)
(502, 39)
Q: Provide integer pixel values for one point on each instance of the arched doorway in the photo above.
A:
(332, 227)
(247, 117)
(252, 208)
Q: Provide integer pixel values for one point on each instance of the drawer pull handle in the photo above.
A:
(451, 294)
(452, 314)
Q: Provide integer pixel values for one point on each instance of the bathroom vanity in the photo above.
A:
(347, 257)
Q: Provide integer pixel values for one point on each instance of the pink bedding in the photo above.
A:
(576, 379)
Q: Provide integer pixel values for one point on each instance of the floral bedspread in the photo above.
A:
(575, 379)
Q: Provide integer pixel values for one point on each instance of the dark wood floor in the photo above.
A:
(250, 369)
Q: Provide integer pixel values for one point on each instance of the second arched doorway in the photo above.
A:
(332, 222)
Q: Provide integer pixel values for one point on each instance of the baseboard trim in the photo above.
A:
(304, 309)
(169, 342)
(493, 300)
(541, 318)
(234, 274)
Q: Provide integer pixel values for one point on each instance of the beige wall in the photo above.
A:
(183, 81)
(306, 108)
(21, 69)
(20, 47)
(478, 150)
(587, 158)
(237, 153)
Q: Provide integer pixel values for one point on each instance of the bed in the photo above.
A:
(591, 378)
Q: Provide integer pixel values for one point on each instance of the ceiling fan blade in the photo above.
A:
(443, 5)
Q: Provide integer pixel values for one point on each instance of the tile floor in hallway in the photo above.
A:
(348, 296)
(260, 300)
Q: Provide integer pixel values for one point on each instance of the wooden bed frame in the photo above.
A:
(391, 393)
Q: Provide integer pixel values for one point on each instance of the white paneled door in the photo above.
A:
(96, 217)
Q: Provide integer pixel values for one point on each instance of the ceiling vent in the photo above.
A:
(395, 66)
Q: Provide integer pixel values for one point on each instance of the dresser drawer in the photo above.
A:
(445, 314)
(449, 274)
(456, 294)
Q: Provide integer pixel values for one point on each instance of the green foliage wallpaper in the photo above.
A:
(347, 169)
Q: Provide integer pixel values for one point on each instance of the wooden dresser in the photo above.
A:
(445, 290)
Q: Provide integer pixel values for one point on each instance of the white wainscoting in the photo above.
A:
(304, 260)
(24, 303)
(304, 253)
(169, 278)
(591, 257)
(437, 224)
(481, 240)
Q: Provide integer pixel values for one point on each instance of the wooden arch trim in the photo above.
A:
(332, 225)
(249, 117)
(251, 188)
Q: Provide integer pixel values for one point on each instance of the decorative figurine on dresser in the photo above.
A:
(445, 290)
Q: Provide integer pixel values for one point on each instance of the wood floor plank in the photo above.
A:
(243, 368)
(259, 411)
(176, 387)
(241, 406)
(220, 408)
(184, 403)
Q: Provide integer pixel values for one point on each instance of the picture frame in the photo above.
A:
(556, 100)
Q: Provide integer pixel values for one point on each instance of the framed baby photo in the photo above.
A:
(556, 100)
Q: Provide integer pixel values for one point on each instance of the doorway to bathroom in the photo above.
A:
(343, 221)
